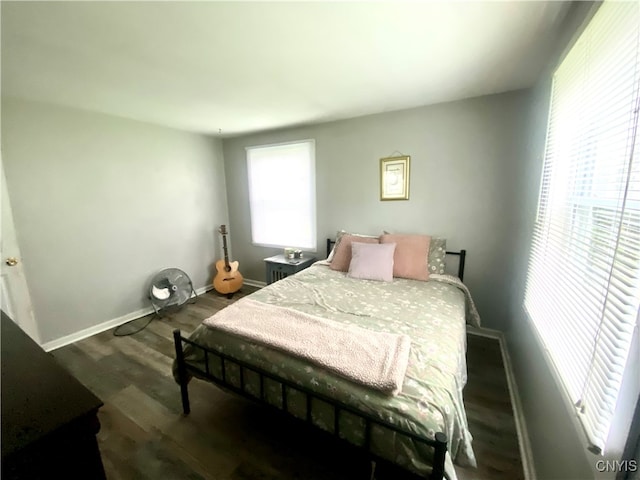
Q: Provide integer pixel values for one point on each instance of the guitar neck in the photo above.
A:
(224, 247)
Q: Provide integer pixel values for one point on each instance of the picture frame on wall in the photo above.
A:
(394, 178)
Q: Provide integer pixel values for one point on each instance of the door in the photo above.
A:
(14, 293)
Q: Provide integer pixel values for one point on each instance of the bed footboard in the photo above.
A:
(439, 443)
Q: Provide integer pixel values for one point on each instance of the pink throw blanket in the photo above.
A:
(375, 359)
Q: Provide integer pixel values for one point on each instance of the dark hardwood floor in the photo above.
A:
(145, 436)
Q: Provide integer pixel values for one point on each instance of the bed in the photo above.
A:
(422, 429)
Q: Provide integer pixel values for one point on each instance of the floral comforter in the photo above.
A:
(433, 314)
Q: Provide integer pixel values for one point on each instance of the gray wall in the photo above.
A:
(463, 157)
(558, 449)
(102, 203)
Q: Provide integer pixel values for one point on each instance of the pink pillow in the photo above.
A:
(372, 261)
(342, 256)
(410, 257)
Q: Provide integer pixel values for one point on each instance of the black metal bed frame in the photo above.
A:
(439, 443)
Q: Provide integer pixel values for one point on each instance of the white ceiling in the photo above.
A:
(243, 66)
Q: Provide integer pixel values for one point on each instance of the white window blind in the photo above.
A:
(583, 284)
(282, 194)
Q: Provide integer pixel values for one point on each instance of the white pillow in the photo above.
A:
(372, 261)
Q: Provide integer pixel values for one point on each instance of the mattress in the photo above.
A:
(433, 314)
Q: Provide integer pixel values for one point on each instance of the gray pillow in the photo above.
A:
(437, 255)
(436, 259)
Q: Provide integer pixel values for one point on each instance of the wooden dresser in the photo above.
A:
(49, 419)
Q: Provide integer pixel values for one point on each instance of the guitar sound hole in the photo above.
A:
(227, 268)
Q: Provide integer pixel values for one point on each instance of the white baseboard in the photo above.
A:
(254, 283)
(109, 324)
(485, 332)
(521, 426)
(201, 290)
(518, 415)
(101, 327)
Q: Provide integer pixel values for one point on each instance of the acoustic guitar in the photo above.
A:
(228, 280)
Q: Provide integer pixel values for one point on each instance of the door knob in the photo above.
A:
(11, 261)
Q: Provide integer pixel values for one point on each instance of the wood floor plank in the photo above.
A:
(183, 436)
(95, 375)
(119, 438)
(160, 388)
(142, 409)
(145, 355)
(164, 329)
(144, 434)
(161, 343)
(95, 347)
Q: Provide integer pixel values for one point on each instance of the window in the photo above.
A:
(282, 194)
(583, 283)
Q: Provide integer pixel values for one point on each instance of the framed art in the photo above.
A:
(394, 178)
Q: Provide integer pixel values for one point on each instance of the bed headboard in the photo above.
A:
(462, 254)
